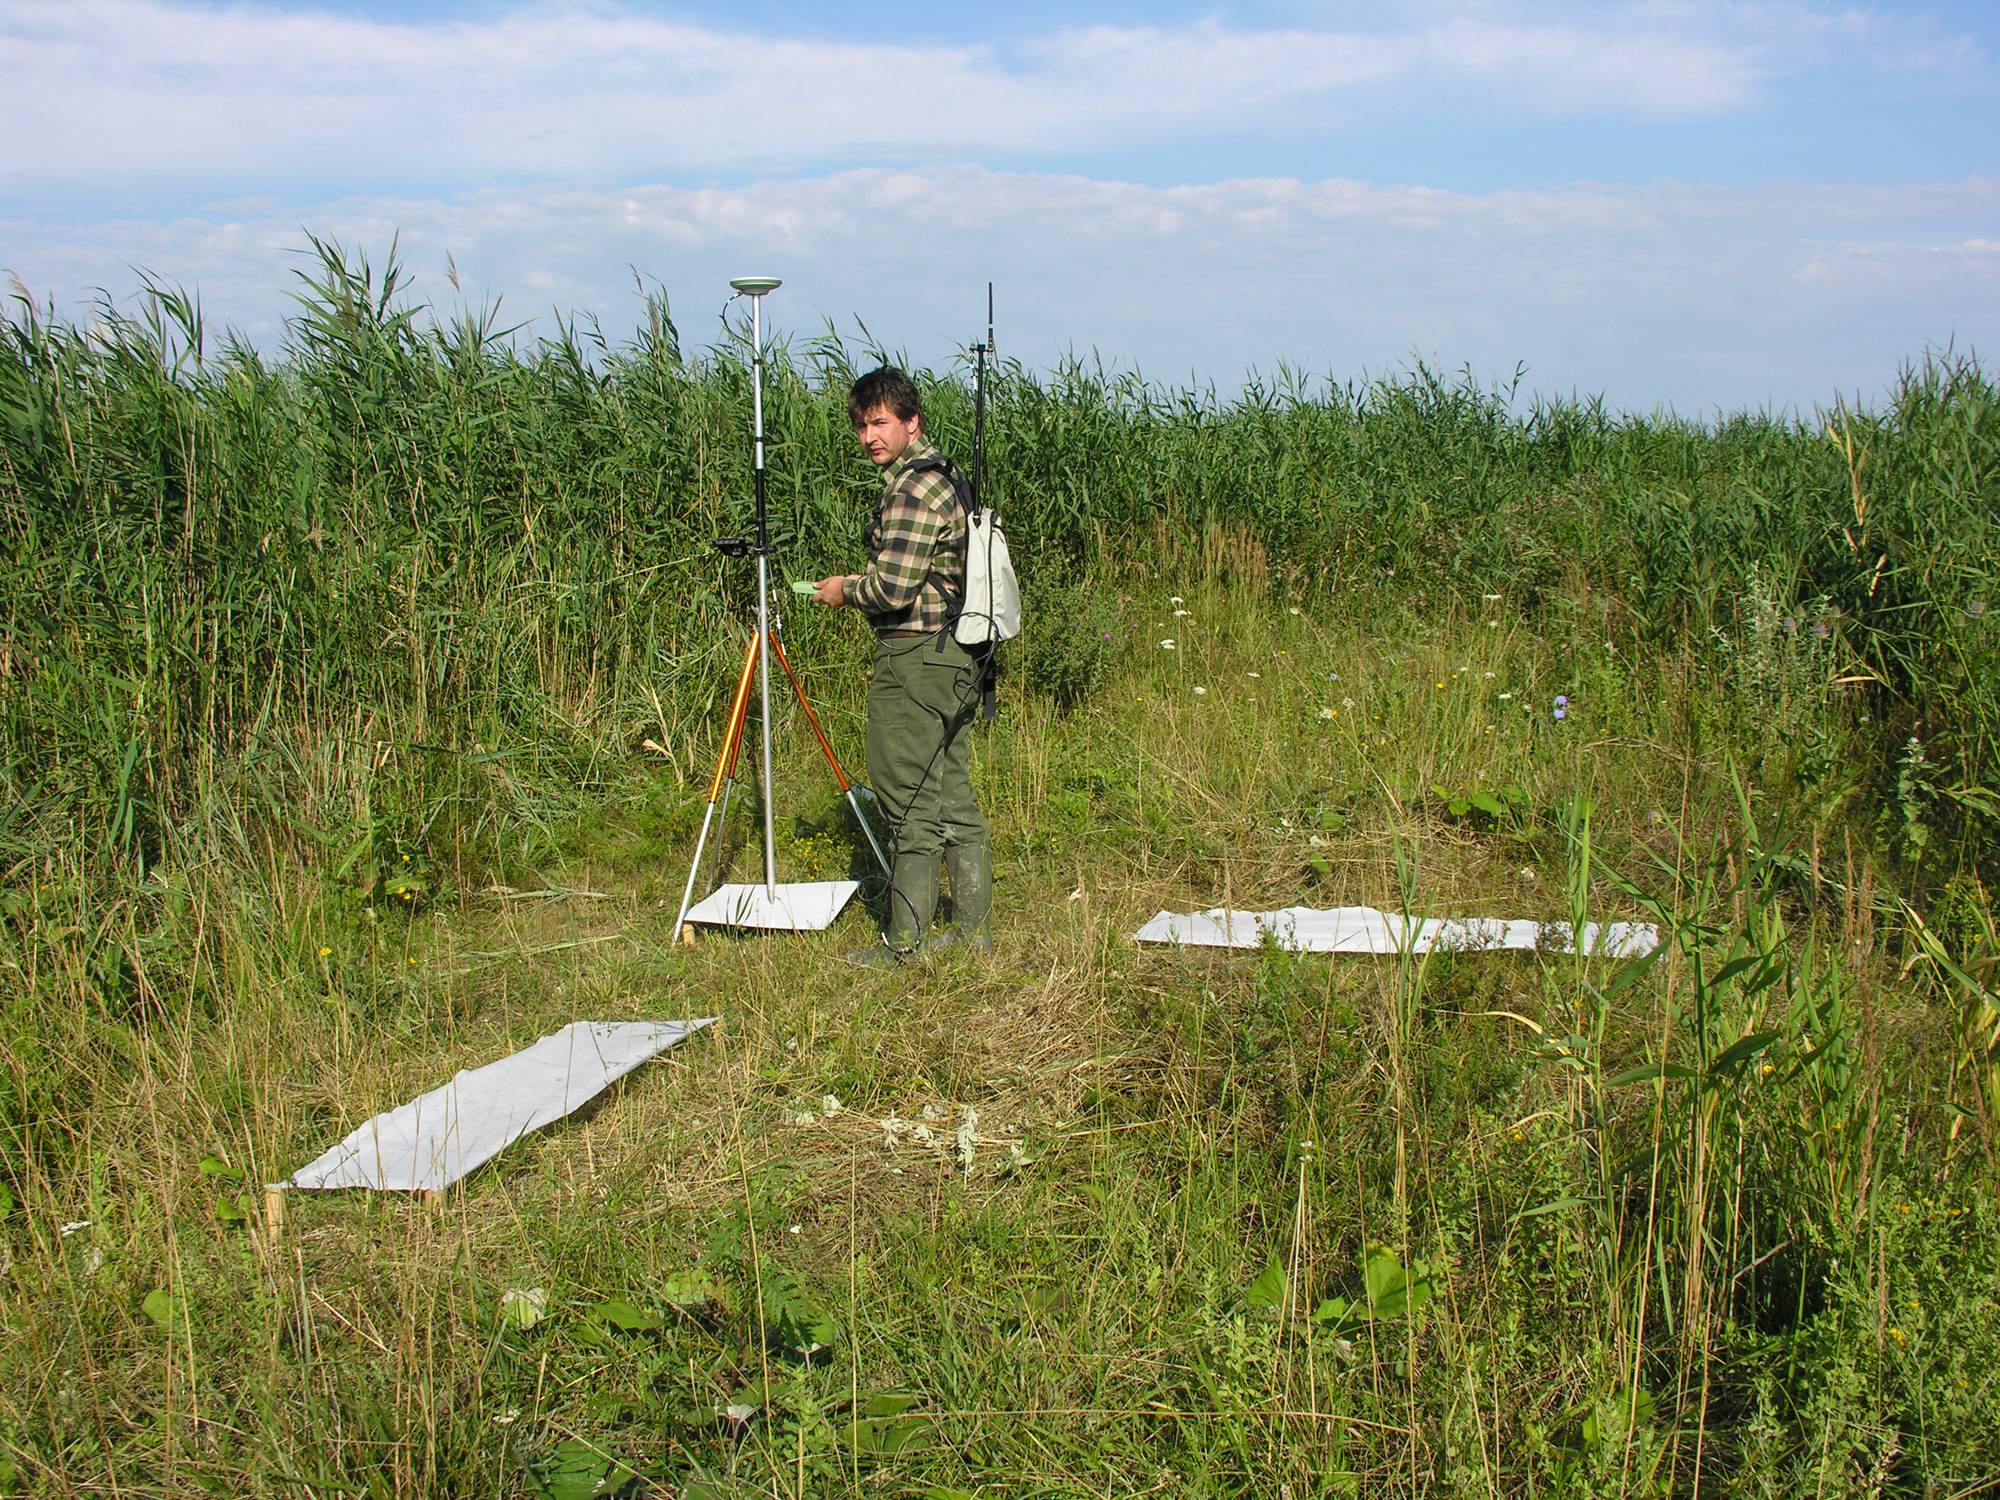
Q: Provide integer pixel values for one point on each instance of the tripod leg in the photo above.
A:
(826, 749)
(725, 769)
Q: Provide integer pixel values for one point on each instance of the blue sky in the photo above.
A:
(1707, 206)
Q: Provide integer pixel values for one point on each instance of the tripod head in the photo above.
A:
(755, 288)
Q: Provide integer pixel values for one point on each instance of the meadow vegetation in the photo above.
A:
(356, 710)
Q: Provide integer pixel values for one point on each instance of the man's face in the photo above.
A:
(884, 435)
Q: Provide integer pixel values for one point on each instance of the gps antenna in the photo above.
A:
(980, 351)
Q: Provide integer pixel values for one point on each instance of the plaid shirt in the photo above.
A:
(916, 549)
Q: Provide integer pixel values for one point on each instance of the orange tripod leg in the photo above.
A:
(725, 771)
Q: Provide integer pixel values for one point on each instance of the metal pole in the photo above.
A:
(763, 590)
(979, 408)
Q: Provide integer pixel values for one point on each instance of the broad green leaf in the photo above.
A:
(1336, 1312)
(164, 1308)
(1489, 804)
(1741, 1052)
(580, 1471)
(1268, 1290)
(627, 1317)
(215, 1167)
(1383, 1274)
(1648, 1071)
(1730, 970)
(692, 1288)
(884, 1426)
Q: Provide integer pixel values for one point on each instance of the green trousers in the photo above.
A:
(921, 704)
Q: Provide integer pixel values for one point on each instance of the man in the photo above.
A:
(925, 686)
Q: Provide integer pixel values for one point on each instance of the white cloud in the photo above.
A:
(1698, 296)
(151, 91)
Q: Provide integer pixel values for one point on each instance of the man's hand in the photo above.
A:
(831, 591)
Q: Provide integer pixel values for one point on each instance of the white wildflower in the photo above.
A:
(1182, 614)
(524, 1307)
(1491, 598)
(965, 1141)
(1175, 599)
(1326, 713)
(1200, 692)
(508, 1417)
(1167, 645)
(72, 1227)
(1505, 696)
(1253, 674)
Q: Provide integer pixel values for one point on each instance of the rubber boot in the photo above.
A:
(913, 893)
(970, 870)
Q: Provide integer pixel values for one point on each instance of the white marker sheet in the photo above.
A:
(438, 1137)
(801, 906)
(1363, 929)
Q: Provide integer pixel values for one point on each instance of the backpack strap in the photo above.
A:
(938, 463)
(989, 668)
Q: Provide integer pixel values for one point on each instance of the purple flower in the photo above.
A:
(1562, 705)
(1790, 623)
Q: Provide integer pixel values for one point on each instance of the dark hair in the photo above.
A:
(888, 387)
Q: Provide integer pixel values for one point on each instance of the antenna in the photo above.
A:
(980, 352)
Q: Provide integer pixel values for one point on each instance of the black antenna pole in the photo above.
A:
(979, 405)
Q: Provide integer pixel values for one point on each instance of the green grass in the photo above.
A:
(355, 713)
(1778, 1274)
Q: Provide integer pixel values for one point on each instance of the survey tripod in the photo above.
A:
(797, 906)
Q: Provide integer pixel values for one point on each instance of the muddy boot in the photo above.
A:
(970, 870)
(913, 893)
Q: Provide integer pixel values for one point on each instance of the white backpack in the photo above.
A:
(989, 611)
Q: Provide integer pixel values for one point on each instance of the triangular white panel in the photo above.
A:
(806, 906)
